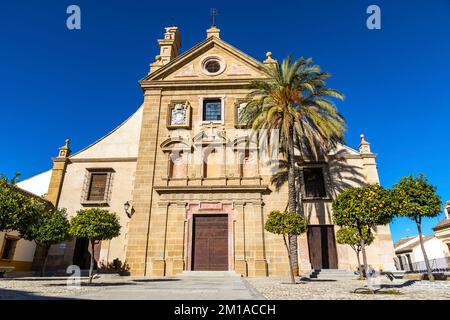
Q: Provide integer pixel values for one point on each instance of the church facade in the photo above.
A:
(197, 183)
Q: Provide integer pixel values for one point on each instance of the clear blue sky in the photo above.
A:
(57, 83)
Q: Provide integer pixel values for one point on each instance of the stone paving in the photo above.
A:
(342, 289)
(130, 288)
(215, 287)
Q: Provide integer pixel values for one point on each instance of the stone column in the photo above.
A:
(175, 239)
(240, 259)
(256, 245)
(157, 240)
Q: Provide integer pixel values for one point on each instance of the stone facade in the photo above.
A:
(160, 234)
(173, 123)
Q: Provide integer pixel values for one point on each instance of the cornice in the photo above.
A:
(84, 160)
(184, 189)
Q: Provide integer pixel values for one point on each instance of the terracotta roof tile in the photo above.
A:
(443, 224)
(402, 241)
(411, 246)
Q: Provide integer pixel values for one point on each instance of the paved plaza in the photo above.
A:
(212, 287)
(207, 287)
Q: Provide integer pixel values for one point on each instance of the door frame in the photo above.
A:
(193, 236)
(205, 209)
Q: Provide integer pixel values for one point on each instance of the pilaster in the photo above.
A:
(143, 194)
(58, 173)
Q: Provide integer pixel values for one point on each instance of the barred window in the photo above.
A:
(212, 110)
(314, 183)
(97, 186)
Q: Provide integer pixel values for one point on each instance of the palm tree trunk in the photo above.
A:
(44, 265)
(292, 202)
(91, 266)
(422, 246)
(291, 271)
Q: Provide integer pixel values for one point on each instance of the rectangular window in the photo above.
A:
(97, 187)
(212, 110)
(9, 247)
(314, 183)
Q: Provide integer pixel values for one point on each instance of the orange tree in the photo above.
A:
(51, 227)
(350, 236)
(286, 224)
(363, 208)
(16, 209)
(96, 225)
(416, 199)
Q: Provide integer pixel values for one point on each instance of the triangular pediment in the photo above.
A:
(189, 66)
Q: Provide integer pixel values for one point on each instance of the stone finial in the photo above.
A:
(157, 64)
(213, 32)
(364, 146)
(64, 151)
(269, 58)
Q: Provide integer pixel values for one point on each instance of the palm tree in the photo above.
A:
(295, 102)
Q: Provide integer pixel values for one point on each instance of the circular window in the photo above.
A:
(213, 66)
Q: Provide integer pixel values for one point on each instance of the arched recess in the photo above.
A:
(212, 149)
(246, 153)
(178, 152)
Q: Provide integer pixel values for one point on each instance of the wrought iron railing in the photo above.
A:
(437, 265)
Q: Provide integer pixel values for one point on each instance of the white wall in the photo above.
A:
(38, 184)
(24, 249)
(434, 248)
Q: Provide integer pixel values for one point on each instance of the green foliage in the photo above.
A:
(116, 265)
(285, 223)
(16, 209)
(365, 206)
(95, 224)
(415, 198)
(296, 97)
(51, 227)
(351, 237)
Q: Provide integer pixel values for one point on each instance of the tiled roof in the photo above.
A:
(402, 241)
(411, 246)
(443, 224)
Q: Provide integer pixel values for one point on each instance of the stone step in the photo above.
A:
(334, 271)
(210, 274)
(331, 274)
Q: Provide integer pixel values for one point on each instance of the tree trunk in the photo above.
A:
(44, 265)
(363, 250)
(91, 266)
(292, 202)
(291, 270)
(361, 274)
(422, 246)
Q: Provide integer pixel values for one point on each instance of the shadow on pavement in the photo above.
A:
(9, 294)
(400, 285)
(94, 284)
(155, 280)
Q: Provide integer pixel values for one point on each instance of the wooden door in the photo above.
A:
(322, 247)
(210, 243)
(82, 253)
